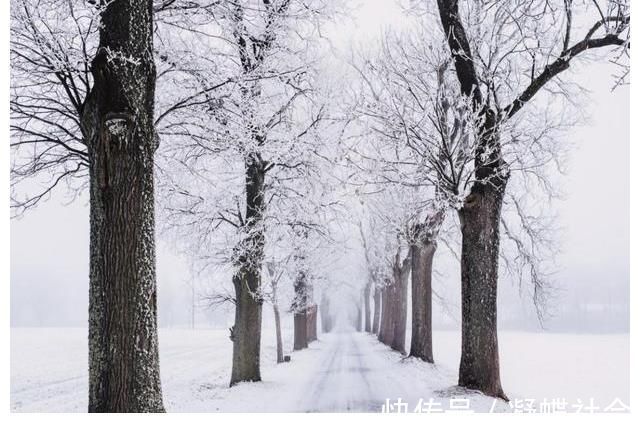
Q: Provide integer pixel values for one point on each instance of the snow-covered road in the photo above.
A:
(346, 378)
(349, 372)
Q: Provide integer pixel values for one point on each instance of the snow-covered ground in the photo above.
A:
(343, 371)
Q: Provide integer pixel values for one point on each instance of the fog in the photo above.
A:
(49, 245)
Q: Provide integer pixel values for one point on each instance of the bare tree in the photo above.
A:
(530, 45)
(401, 272)
(82, 116)
(232, 172)
(52, 48)
(52, 44)
(300, 303)
(275, 278)
(366, 292)
(375, 325)
(388, 262)
(417, 144)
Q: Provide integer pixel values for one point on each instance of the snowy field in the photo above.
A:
(341, 372)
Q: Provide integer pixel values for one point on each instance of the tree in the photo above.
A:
(366, 297)
(405, 107)
(423, 248)
(300, 307)
(366, 293)
(52, 48)
(118, 125)
(309, 245)
(86, 121)
(426, 136)
(387, 259)
(253, 145)
(52, 44)
(375, 326)
(401, 272)
(275, 278)
(528, 39)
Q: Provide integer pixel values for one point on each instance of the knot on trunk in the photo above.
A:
(231, 333)
(471, 200)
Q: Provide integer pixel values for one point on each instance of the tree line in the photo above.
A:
(219, 116)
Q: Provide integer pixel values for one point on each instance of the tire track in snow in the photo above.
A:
(345, 378)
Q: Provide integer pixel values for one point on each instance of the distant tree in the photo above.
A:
(420, 138)
(388, 260)
(366, 292)
(274, 277)
(236, 175)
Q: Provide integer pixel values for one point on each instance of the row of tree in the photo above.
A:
(205, 113)
(219, 117)
(447, 124)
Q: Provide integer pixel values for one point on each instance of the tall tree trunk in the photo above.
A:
(367, 307)
(279, 351)
(246, 332)
(480, 222)
(383, 313)
(117, 122)
(376, 310)
(300, 313)
(271, 269)
(312, 318)
(358, 318)
(312, 313)
(300, 330)
(276, 317)
(422, 251)
(400, 323)
(388, 313)
(421, 300)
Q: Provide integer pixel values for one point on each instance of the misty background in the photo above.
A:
(49, 245)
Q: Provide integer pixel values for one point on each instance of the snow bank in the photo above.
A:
(341, 372)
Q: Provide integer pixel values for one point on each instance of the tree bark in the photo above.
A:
(401, 281)
(300, 331)
(312, 318)
(421, 300)
(422, 251)
(383, 313)
(276, 316)
(388, 314)
(376, 310)
(358, 318)
(480, 222)
(300, 339)
(117, 122)
(312, 314)
(367, 307)
(246, 332)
